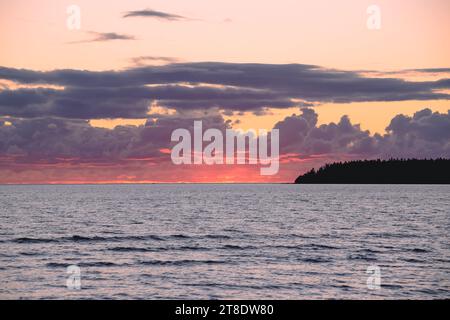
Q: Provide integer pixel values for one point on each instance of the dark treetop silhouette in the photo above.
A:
(411, 171)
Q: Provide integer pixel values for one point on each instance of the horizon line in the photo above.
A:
(133, 183)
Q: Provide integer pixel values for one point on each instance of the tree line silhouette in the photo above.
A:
(393, 171)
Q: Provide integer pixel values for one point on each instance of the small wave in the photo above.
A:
(192, 248)
(392, 286)
(113, 238)
(31, 254)
(77, 238)
(32, 240)
(236, 247)
(216, 236)
(369, 251)
(392, 235)
(240, 286)
(434, 291)
(310, 246)
(233, 230)
(412, 260)
(99, 264)
(83, 264)
(132, 249)
(180, 236)
(315, 246)
(419, 250)
(361, 256)
(57, 265)
(300, 236)
(181, 262)
(157, 249)
(84, 239)
(315, 260)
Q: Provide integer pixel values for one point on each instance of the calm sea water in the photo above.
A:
(225, 241)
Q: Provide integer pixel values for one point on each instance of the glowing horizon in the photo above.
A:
(98, 103)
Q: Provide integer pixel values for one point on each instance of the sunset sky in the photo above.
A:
(98, 104)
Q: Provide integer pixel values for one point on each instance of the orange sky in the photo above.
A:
(328, 33)
(414, 34)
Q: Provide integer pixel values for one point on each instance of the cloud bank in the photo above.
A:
(424, 135)
(198, 86)
(70, 149)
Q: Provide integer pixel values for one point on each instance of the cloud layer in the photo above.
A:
(45, 129)
(69, 149)
(196, 86)
(425, 135)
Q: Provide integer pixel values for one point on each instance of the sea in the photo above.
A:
(224, 241)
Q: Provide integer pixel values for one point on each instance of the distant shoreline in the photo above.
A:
(394, 171)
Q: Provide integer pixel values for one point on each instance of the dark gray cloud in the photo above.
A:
(105, 36)
(184, 86)
(127, 102)
(48, 140)
(424, 135)
(149, 13)
(51, 140)
(300, 134)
